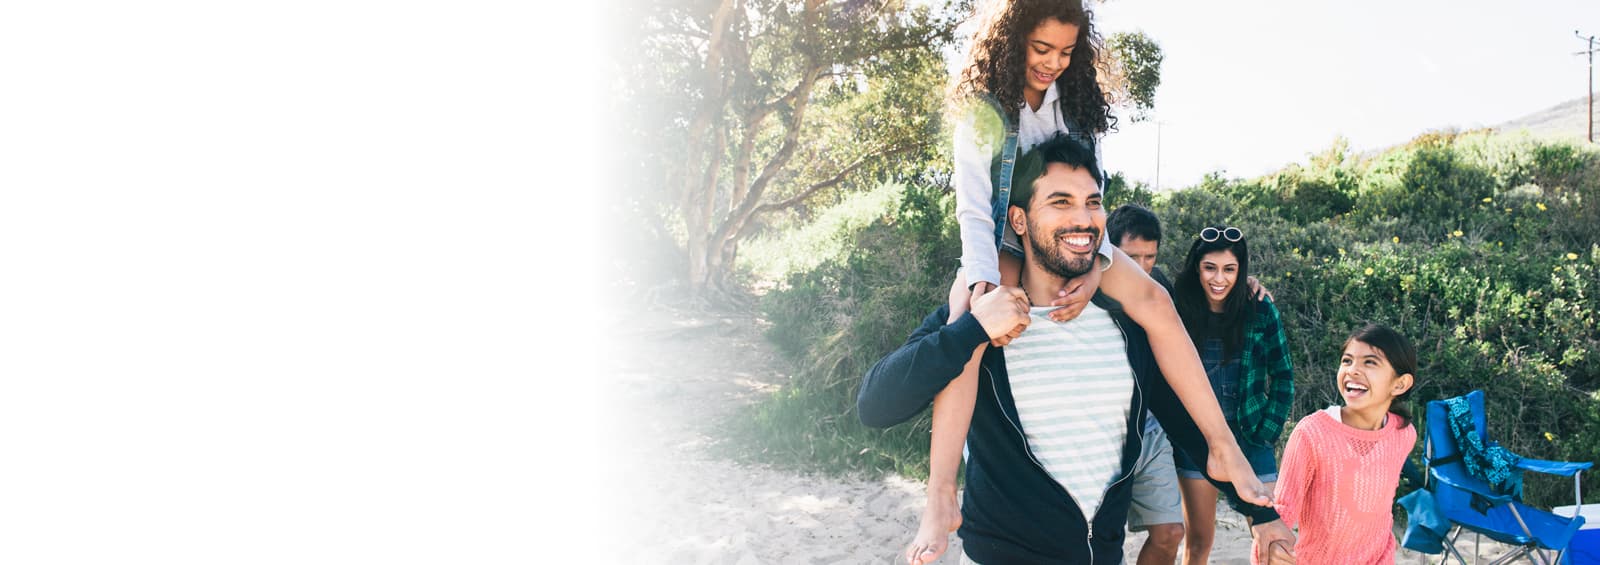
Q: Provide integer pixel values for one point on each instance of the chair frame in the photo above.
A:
(1531, 550)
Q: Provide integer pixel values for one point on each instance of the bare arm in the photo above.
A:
(1151, 307)
(1299, 468)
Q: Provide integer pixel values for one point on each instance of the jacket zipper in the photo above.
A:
(1088, 520)
(1139, 433)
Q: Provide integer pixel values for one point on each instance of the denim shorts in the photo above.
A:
(1261, 459)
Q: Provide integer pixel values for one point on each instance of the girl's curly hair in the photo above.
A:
(998, 56)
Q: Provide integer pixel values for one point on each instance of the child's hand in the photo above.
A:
(978, 290)
(1074, 297)
(1272, 542)
(1281, 553)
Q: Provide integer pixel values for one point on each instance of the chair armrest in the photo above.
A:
(1478, 489)
(1563, 468)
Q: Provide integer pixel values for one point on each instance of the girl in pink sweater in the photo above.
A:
(1342, 464)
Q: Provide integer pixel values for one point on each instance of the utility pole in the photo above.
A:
(1590, 53)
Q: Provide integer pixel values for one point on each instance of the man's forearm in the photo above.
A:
(903, 383)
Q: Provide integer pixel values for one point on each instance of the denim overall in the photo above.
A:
(1005, 163)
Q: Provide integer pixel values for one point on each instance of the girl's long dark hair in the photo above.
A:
(998, 56)
(1402, 357)
(1190, 297)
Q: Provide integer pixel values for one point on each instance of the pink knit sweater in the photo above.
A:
(1337, 484)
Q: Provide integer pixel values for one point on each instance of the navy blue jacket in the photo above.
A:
(1013, 511)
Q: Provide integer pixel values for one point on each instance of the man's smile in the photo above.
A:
(1077, 242)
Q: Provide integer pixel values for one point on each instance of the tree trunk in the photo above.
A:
(699, 193)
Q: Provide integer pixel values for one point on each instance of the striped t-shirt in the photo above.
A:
(1073, 387)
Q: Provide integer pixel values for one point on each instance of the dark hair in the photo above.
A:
(1190, 298)
(1401, 355)
(1058, 149)
(997, 60)
(1133, 220)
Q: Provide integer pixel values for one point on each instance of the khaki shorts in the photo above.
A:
(1156, 498)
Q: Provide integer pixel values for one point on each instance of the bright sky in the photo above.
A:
(1249, 86)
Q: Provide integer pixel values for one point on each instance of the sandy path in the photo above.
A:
(675, 501)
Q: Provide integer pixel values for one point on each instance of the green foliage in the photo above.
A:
(1118, 192)
(749, 113)
(774, 256)
(1484, 250)
(1451, 242)
(840, 317)
(1137, 60)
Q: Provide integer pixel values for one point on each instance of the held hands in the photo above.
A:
(1003, 313)
(1273, 543)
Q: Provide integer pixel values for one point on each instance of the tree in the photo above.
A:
(763, 105)
(1134, 73)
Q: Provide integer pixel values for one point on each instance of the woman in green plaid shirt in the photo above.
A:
(1241, 345)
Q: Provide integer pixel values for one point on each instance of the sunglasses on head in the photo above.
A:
(1209, 235)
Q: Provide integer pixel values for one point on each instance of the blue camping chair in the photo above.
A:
(1470, 504)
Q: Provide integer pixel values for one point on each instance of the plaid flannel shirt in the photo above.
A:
(1267, 388)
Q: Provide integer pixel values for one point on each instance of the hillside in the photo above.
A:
(1563, 121)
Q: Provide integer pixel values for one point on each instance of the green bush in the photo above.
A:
(838, 319)
(1484, 250)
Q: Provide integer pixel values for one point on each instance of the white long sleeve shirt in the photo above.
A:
(974, 155)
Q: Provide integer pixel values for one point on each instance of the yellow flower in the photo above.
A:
(1341, 252)
(1549, 436)
(1289, 274)
(1572, 256)
(1486, 200)
(1541, 206)
(1456, 233)
(1397, 239)
(1369, 271)
(1297, 251)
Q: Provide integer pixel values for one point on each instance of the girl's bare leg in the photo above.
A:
(952, 416)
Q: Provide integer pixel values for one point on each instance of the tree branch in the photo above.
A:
(835, 179)
(741, 168)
